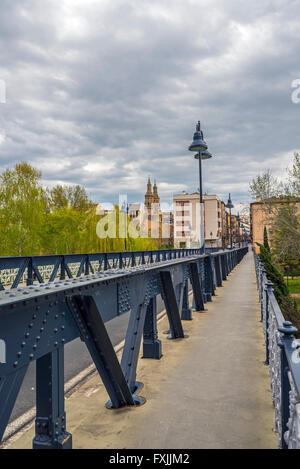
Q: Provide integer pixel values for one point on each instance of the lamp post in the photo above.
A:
(238, 219)
(125, 210)
(230, 206)
(211, 240)
(200, 146)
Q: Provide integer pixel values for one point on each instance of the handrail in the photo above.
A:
(29, 270)
(283, 360)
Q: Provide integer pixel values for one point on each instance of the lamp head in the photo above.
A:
(205, 155)
(198, 144)
(229, 203)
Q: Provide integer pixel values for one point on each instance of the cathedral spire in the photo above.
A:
(156, 198)
(149, 186)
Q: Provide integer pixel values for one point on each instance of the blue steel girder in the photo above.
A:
(36, 322)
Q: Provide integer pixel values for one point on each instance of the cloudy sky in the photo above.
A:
(104, 93)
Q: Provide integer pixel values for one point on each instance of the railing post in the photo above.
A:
(268, 290)
(87, 265)
(62, 269)
(288, 330)
(29, 272)
(105, 261)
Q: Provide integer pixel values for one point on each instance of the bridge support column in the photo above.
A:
(151, 343)
(50, 423)
(198, 301)
(186, 313)
(223, 265)
(132, 345)
(169, 297)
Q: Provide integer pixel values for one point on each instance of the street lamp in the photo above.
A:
(238, 219)
(200, 146)
(230, 206)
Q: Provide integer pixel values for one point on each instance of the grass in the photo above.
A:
(294, 285)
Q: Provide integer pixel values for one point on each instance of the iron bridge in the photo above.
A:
(38, 317)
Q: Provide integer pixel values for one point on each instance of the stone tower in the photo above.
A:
(156, 199)
(149, 196)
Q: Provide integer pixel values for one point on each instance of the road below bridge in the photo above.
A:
(210, 390)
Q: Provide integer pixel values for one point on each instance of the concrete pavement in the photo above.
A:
(210, 390)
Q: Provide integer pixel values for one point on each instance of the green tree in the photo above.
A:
(286, 236)
(273, 274)
(266, 242)
(285, 301)
(23, 207)
(59, 197)
(293, 185)
(265, 186)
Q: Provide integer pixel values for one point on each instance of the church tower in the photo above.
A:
(149, 196)
(156, 199)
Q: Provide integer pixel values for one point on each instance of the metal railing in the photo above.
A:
(27, 270)
(283, 360)
(39, 319)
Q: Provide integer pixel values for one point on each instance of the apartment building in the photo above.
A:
(187, 220)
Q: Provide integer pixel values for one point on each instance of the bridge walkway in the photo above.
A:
(210, 390)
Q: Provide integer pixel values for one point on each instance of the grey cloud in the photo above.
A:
(120, 85)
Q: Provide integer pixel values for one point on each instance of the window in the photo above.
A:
(182, 214)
